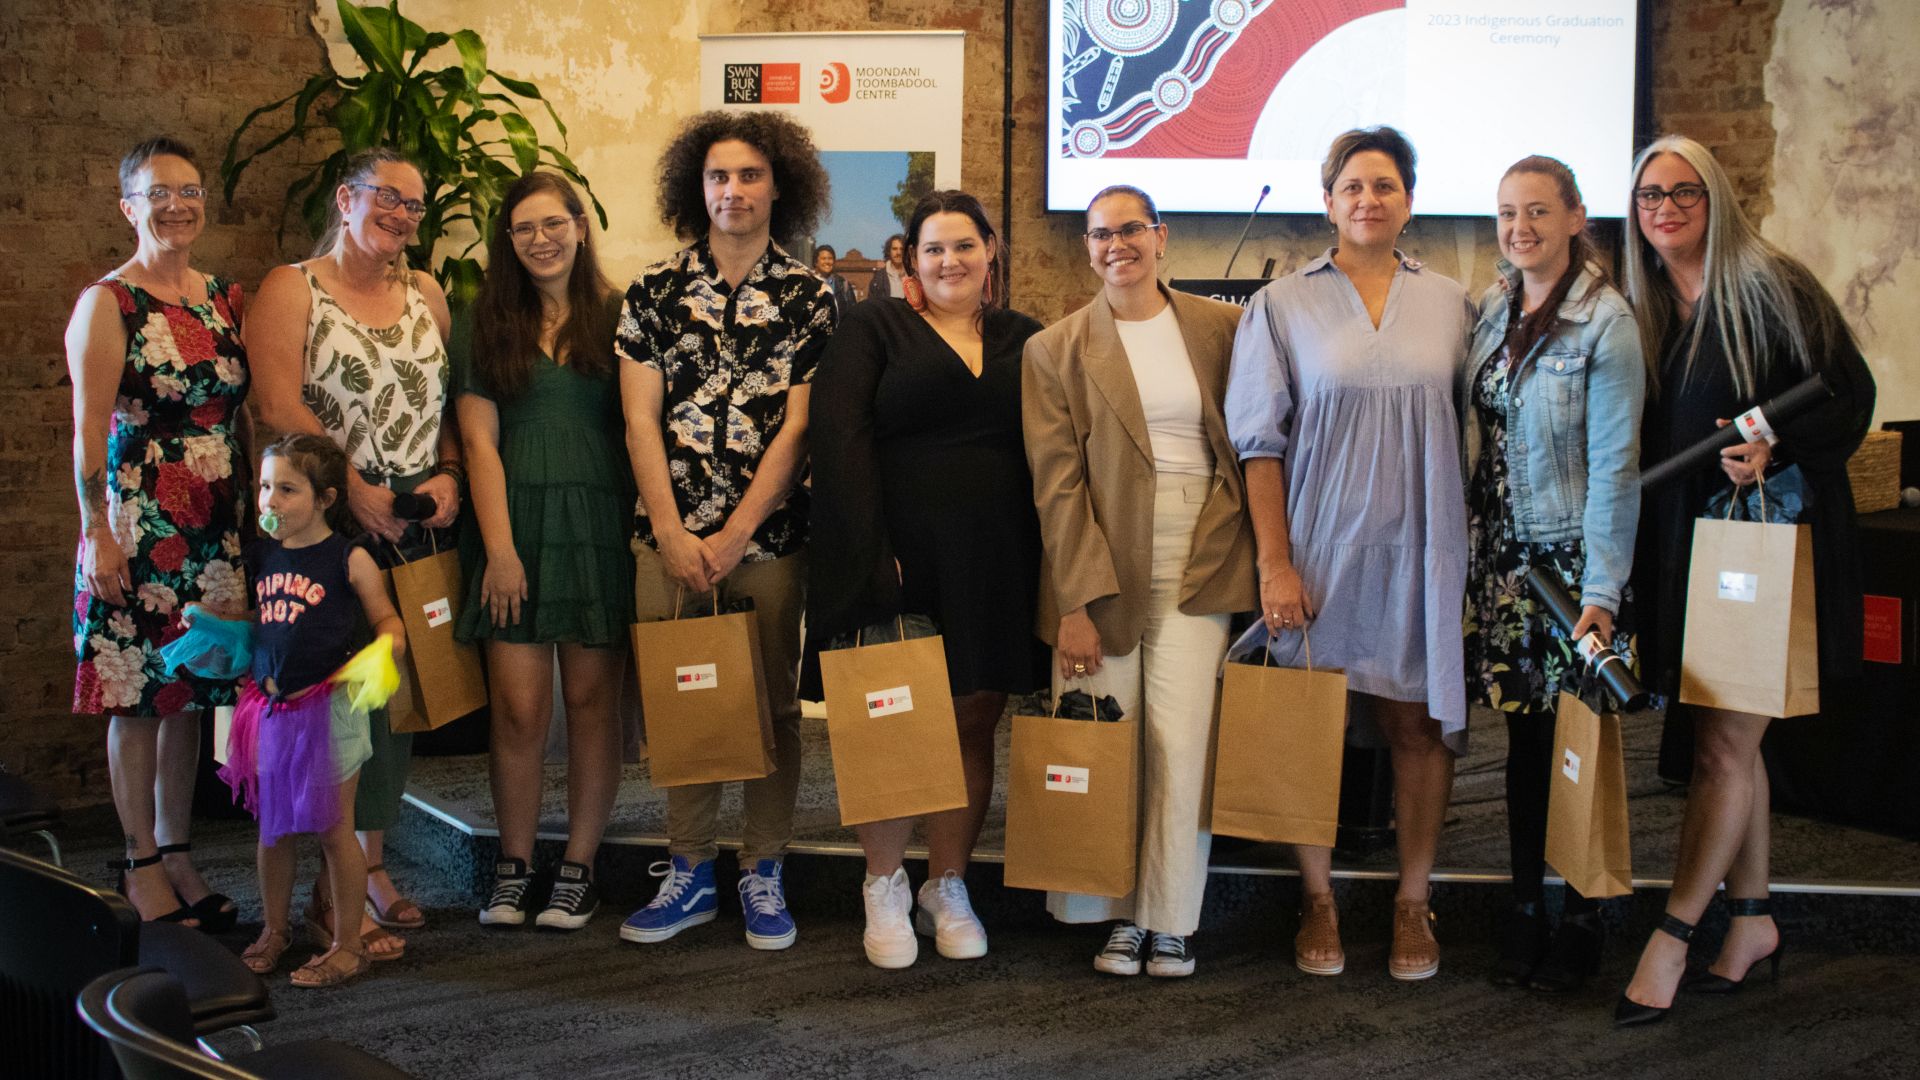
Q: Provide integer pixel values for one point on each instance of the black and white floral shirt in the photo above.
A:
(728, 357)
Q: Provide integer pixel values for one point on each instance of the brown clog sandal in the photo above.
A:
(404, 914)
(1319, 933)
(1416, 955)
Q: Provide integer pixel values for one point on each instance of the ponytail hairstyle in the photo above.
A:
(1766, 308)
(359, 170)
(1525, 333)
(324, 464)
(507, 313)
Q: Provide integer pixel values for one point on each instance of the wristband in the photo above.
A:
(453, 469)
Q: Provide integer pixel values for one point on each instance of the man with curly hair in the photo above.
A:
(718, 345)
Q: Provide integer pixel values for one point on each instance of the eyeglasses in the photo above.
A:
(160, 193)
(527, 231)
(1125, 232)
(387, 198)
(1684, 196)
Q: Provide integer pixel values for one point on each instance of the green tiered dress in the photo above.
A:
(570, 500)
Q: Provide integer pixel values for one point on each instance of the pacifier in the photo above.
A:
(269, 522)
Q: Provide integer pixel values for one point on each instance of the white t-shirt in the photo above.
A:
(1169, 394)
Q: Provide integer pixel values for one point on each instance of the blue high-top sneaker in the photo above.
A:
(764, 903)
(686, 898)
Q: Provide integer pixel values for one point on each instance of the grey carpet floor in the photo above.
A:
(1475, 839)
(467, 1002)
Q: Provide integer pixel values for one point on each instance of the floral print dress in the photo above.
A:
(1516, 656)
(173, 478)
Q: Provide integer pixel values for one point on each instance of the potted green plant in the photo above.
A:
(462, 124)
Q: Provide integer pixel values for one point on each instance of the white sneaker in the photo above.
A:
(946, 915)
(889, 938)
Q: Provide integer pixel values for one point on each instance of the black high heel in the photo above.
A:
(180, 914)
(216, 911)
(1630, 1013)
(1708, 983)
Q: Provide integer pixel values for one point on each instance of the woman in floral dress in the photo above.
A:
(159, 377)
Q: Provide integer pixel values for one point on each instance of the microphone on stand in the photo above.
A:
(1265, 189)
(1267, 270)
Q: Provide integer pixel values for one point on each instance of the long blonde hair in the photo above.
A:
(1750, 288)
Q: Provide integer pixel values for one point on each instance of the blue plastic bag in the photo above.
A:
(212, 647)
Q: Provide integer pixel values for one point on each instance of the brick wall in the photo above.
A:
(85, 81)
(89, 79)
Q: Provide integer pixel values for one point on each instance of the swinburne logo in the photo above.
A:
(762, 84)
(836, 83)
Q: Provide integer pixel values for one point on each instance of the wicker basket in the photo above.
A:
(1874, 471)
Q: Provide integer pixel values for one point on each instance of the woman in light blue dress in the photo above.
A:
(1340, 404)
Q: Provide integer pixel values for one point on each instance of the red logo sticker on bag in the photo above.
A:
(696, 677)
(1882, 643)
(896, 699)
(1067, 778)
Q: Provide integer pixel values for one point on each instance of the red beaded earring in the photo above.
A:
(916, 296)
(986, 290)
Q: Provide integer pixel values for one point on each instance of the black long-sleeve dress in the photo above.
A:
(916, 459)
(1819, 441)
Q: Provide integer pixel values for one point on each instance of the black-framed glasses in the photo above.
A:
(526, 231)
(1128, 231)
(387, 198)
(160, 193)
(1684, 196)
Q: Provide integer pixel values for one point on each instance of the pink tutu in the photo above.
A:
(280, 761)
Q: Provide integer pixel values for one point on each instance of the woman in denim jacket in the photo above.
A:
(1551, 418)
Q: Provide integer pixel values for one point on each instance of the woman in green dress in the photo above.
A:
(545, 551)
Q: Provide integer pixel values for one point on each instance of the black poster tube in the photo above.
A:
(1750, 426)
(1598, 655)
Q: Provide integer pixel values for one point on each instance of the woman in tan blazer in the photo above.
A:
(1147, 548)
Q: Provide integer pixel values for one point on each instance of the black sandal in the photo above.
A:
(178, 915)
(1708, 983)
(216, 911)
(1630, 1013)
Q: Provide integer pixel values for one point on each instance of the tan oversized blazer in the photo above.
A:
(1093, 478)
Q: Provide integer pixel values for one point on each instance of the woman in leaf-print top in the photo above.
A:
(159, 378)
(350, 344)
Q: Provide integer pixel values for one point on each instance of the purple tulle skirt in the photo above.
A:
(280, 761)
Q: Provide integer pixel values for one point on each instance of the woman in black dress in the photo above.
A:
(923, 504)
(1728, 321)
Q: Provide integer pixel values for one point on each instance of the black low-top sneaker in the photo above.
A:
(574, 899)
(1122, 953)
(1169, 958)
(509, 902)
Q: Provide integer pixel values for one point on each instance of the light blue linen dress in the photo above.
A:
(1364, 421)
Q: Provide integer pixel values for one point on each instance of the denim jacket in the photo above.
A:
(1573, 427)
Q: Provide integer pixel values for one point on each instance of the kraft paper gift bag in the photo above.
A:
(440, 679)
(1587, 840)
(1281, 744)
(703, 695)
(896, 745)
(1750, 643)
(1073, 805)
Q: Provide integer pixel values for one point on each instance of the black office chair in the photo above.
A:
(26, 811)
(59, 933)
(142, 1013)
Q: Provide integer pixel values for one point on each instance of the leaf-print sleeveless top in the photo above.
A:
(378, 392)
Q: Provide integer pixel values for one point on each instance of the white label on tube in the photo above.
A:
(1754, 427)
(1738, 586)
(1570, 764)
(1067, 778)
(1591, 646)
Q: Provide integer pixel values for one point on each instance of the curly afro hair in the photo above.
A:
(788, 146)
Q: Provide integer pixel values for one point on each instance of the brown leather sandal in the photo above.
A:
(1319, 933)
(319, 920)
(404, 914)
(263, 955)
(1416, 955)
(324, 971)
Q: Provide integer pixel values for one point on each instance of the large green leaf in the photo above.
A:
(461, 278)
(368, 32)
(525, 143)
(473, 57)
(528, 90)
